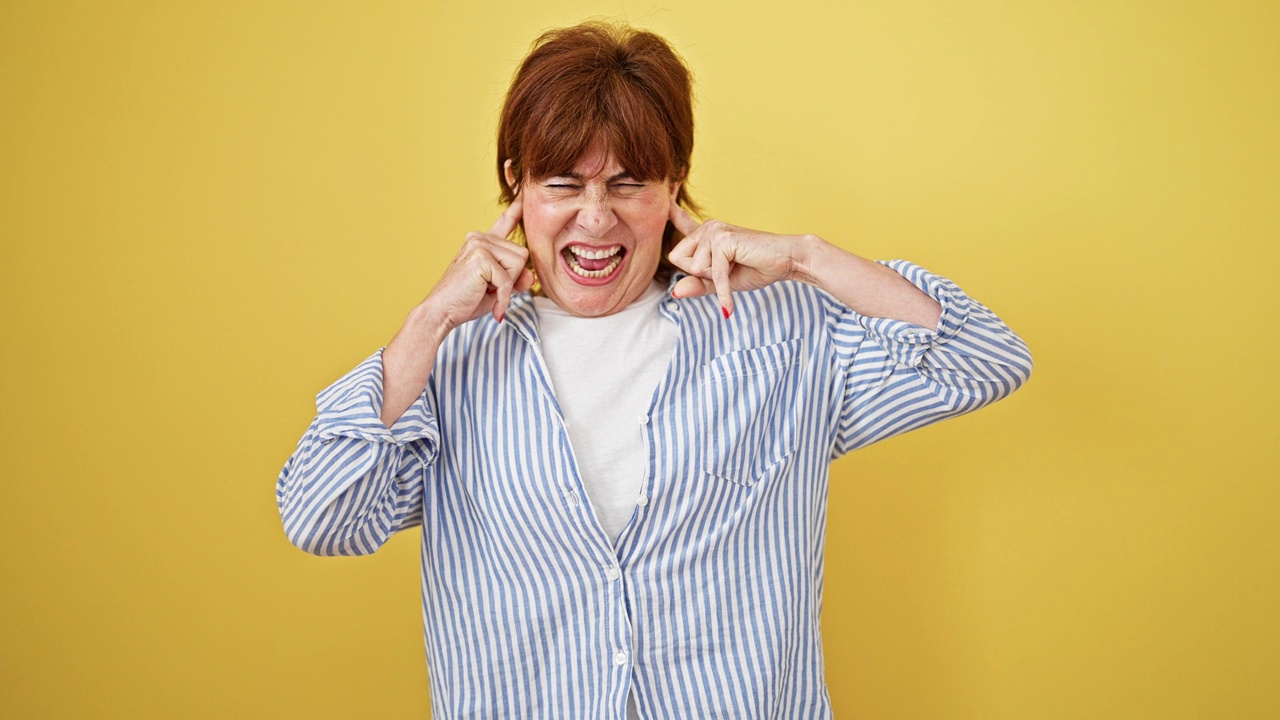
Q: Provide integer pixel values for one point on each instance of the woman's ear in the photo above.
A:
(510, 175)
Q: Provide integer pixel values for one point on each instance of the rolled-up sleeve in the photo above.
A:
(899, 376)
(352, 482)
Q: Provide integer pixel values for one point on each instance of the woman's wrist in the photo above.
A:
(809, 253)
(426, 325)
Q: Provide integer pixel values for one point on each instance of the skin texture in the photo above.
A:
(598, 207)
(721, 258)
(486, 271)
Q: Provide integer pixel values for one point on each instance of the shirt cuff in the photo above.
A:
(352, 407)
(906, 342)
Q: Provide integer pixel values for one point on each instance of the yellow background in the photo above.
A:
(211, 210)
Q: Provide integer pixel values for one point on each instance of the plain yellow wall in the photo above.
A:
(210, 210)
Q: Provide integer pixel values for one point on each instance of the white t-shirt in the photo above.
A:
(604, 371)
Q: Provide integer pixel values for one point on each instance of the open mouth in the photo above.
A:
(593, 263)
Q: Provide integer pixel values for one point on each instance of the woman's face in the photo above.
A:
(595, 234)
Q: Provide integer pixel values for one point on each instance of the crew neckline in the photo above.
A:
(650, 299)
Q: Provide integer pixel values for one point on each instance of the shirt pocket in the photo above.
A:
(749, 403)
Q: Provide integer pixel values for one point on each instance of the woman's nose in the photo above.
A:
(596, 216)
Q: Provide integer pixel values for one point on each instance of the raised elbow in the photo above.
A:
(326, 534)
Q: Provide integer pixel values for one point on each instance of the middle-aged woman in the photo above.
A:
(621, 478)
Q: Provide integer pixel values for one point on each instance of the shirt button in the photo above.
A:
(644, 419)
(573, 499)
(620, 659)
(612, 573)
(642, 501)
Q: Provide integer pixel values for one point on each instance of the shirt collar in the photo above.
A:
(670, 307)
(521, 317)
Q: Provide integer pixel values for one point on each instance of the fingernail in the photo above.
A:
(725, 310)
(501, 316)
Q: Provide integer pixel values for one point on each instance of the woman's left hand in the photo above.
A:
(721, 258)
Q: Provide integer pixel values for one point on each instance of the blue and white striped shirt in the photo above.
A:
(708, 606)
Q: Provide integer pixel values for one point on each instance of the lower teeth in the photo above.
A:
(603, 272)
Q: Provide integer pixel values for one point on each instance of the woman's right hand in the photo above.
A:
(481, 279)
(484, 274)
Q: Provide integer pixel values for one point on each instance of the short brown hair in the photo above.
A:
(600, 84)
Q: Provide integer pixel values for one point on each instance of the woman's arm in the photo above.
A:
(356, 476)
(720, 258)
(899, 375)
(353, 482)
(480, 280)
(870, 288)
(913, 347)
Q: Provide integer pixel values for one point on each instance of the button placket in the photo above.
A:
(619, 631)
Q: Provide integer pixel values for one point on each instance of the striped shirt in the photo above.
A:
(708, 604)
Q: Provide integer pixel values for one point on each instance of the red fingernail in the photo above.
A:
(725, 310)
(501, 316)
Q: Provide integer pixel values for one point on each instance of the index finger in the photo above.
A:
(508, 219)
(683, 221)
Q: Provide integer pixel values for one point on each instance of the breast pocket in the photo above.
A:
(750, 400)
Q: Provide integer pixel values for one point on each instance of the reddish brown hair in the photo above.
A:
(600, 84)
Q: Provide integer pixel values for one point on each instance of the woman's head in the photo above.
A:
(597, 130)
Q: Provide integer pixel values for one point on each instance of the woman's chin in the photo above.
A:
(588, 297)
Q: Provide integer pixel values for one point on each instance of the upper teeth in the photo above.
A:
(583, 252)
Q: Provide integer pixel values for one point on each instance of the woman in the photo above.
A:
(621, 478)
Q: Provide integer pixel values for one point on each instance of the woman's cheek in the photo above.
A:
(659, 215)
(648, 214)
(538, 223)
